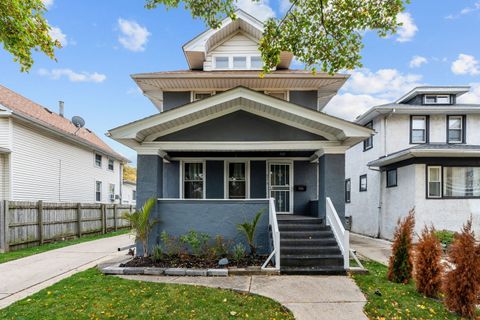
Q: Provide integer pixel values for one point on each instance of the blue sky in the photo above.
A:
(106, 41)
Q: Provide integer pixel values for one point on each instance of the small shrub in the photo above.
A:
(238, 252)
(445, 237)
(221, 247)
(171, 244)
(462, 282)
(157, 253)
(428, 266)
(400, 264)
(198, 242)
(249, 228)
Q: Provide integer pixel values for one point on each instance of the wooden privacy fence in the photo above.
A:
(27, 224)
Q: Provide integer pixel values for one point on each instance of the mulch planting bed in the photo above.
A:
(189, 261)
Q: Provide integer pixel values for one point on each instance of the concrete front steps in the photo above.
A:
(307, 247)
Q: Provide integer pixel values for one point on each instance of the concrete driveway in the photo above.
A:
(371, 248)
(308, 297)
(23, 277)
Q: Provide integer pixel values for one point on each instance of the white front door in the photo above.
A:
(280, 185)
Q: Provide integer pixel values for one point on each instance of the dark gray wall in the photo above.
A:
(258, 179)
(331, 171)
(304, 98)
(241, 126)
(171, 177)
(215, 181)
(304, 173)
(214, 217)
(149, 177)
(175, 99)
(418, 99)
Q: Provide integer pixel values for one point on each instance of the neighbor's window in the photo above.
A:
(437, 99)
(363, 183)
(237, 180)
(348, 190)
(434, 182)
(98, 160)
(256, 62)
(134, 195)
(391, 178)
(461, 182)
(193, 180)
(368, 144)
(419, 132)
(201, 95)
(110, 164)
(98, 191)
(221, 63)
(239, 62)
(111, 191)
(455, 133)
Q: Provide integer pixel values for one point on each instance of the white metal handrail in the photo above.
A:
(341, 235)
(273, 223)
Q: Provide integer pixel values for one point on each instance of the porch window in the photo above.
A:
(237, 180)
(201, 95)
(193, 180)
(461, 182)
(348, 190)
(434, 182)
(455, 132)
(277, 94)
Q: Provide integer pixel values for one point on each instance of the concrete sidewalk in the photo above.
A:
(371, 248)
(308, 297)
(23, 277)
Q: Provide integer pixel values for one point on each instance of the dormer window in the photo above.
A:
(221, 63)
(201, 95)
(256, 62)
(240, 63)
(437, 99)
(237, 62)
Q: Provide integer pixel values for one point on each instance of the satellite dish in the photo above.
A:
(78, 122)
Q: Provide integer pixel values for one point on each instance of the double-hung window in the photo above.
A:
(434, 182)
(368, 144)
(419, 129)
(348, 190)
(111, 164)
(98, 160)
(98, 191)
(363, 183)
(193, 180)
(237, 180)
(455, 130)
(111, 191)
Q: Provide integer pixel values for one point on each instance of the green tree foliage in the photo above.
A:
(325, 34)
(249, 228)
(24, 29)
(129, 173)
(141, 223)
(401, 261)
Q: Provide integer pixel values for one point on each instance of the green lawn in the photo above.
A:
(9, 256)
(91, 295)
(387, 300)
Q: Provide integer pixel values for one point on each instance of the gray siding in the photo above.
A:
(331, 183)
(171, 179)
(213, 217)
(175, 99)
(149, 177)
(304, 173)
(241, 126)
(304, 98)
(258, 179)
(215, 181)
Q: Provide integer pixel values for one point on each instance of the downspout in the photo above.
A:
(120, 188)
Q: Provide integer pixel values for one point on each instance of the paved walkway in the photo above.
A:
(23, 277)
(308, 297)
(371, 248)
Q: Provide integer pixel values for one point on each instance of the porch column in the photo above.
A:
(331, 180)
(149, 178)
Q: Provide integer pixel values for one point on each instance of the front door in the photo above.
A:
(280, 185)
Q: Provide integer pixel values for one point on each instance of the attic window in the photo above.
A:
(239, 62)
(256, 62)
(201, 95)
(437, 99)
(221, 62)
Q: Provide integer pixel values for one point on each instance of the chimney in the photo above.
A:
(61, 108)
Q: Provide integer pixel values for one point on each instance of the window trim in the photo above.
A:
(348, 199)
(437, 95)
(230, 57)
(365, 147)
(182, 181)
(360, 183)
(226, 167)
(463, 132)
(427, 128)
(387, 184)
(100, 192)
(95, 154)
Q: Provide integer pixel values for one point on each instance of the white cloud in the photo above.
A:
(48, 3)
(57, 34)
(464, 11)
(465, 64)
(134, 36)
(73, 76)
(473, 96)
(417, 61)
(259, 9)
(408, 29)
(366, 89)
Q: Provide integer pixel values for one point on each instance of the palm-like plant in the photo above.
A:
(141, 223)
(249, 228)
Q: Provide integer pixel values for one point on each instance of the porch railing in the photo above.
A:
(341, 235)
(273, 223)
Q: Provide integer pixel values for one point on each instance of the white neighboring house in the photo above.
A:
(43, 156)
(425, 154)
(129, 191)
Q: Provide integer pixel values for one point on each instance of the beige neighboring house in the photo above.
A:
(129, 192)
(44, 156)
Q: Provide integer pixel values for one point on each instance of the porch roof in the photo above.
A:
(142, 133)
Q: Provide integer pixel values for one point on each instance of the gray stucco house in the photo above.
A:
(227, 143)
